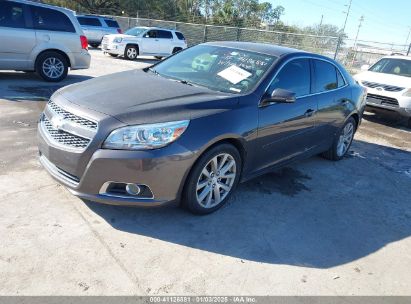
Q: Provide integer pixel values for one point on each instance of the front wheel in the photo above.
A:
(212, 180)
(342, 141)
(131, 52)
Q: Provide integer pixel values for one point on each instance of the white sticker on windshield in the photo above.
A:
(234, 74)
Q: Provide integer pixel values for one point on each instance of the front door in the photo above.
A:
(151, 43)
(287, 130)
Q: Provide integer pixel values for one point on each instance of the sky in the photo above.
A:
(384, 20)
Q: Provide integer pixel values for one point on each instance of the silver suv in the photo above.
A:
(95, 27)
(41, 38)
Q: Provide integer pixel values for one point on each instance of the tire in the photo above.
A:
(131, 52)
(337, 152)
(177, 49)
(409, 123)
(200, 192)
(52, 66)
(95, 45)
(113, 55)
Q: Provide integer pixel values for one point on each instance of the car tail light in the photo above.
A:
(84, 42)
(119, 31)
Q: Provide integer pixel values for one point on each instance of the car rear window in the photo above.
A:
(112, 23)
(164, 34)
(89, 21)
(51, 20)
(180, 36)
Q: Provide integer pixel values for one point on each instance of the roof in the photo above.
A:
(398, 57)
(266, 48)
(44, 5)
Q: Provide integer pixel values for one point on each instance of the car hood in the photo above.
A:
(139, 97)
(388, 79)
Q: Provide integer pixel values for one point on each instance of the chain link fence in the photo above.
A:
(352, 54)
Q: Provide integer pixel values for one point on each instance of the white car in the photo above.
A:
(388, 83)
(144, 41)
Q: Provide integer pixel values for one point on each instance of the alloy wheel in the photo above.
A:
(345, 139)
(132, 53)
(216, 180)
(53, 67)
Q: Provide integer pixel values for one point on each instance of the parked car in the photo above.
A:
(144, 41)
(41, 38)
(95, 27)
(389, 84)
(190, 132)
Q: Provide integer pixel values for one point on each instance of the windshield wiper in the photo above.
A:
(185, 82)
(153, 71)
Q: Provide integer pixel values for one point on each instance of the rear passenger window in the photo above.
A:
(164, 35)
(112, 23)
(51, 20)
(11, 15)
(180, 36)
(340, 79)
(295, 77)
(89, 21)
(325, 76)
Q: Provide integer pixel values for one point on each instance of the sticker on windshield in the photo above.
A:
(234, 74)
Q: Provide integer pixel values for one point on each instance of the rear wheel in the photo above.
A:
(52, 66)
(131, 52)
(342, 141)
(212, 179)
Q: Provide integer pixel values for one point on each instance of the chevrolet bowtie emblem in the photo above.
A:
(57, 122)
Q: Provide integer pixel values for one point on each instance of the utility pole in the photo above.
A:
(343, 29)
(356, 39)
(320, 30)
(408, 36)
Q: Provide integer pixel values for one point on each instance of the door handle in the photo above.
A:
(309, 113)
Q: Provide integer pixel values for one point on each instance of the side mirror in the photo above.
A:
(279, 95)
(365, 67)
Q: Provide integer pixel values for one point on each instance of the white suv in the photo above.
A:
(145, 41)
(389, 84)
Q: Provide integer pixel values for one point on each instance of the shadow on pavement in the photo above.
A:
(21, 86)
(386, 118)
(325, 215)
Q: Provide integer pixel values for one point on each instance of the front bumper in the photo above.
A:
(113, 48)
(164, 171)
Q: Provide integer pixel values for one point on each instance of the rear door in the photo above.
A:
(18, 39)
(287, 130)
(165, 41)
(54, 28)
(92, 28)
(334, 98)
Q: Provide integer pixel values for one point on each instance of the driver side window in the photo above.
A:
(295, 77)
(151, 34)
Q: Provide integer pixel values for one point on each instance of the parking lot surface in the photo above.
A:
(314, 228)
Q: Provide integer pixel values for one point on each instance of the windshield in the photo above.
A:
(135, 31)
(217, 68)
(395, 66)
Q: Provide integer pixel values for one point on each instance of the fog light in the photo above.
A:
(133, 189)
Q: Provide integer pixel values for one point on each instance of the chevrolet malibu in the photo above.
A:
(193, 126)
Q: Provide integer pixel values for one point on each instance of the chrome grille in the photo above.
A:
(71, 117)
(63, 137)
(386, 87)
(383, 100)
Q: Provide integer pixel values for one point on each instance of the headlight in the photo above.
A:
(117, 40)
(407, 93)
(145, 137)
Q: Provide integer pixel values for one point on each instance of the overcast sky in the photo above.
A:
(384, 20)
